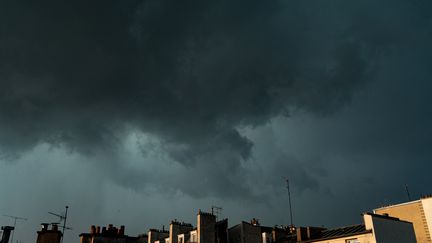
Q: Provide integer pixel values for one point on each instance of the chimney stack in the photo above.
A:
(121, 231)
(93, 230)
(6, 233)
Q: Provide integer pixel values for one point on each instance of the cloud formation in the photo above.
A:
(84, 75)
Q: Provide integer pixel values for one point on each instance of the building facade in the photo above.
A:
(376, 229)
(419, 212)
(46, 235)
(110, 234)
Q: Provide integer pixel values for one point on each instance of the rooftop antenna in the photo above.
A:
(215, 210)
(289, 200)
(15, 218)
(407, 191)
(62, 218)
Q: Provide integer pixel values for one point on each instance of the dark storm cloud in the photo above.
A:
(82, 74)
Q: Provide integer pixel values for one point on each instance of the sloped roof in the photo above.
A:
(344, 231)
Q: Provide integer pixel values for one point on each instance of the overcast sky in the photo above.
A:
(138, 112)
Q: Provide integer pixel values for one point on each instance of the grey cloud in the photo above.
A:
(81, 74)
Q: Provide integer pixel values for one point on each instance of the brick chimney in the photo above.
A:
(49, 236)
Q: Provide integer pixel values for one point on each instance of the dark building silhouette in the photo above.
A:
(6, 233)
(46, 235)
(110, 234)
(222, 231)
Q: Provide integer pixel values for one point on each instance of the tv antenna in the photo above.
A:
(15, 218)
(62, 218)
(407, 191)
(289, 200)
(215, 210)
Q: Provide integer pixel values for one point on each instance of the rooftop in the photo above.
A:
(341, 232)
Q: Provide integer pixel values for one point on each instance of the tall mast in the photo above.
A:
(407, 191)
(64, 218)
(289, 200)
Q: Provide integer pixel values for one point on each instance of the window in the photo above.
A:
(352, 241)
(194, 237)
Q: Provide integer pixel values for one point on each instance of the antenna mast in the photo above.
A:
(289, 200)
(407, 191)
(15, 220)
(215, 210)
(64, 218)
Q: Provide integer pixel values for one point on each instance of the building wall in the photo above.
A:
(245, 233)
(412, 212)
(234, 234)
(387, 230)
(183, 238)
(142, 239)
(49, 236)
(103, 239)
(362, 238)
(267, 237)
(206, 223)
(177, 228)
(251, 234)
(155, 235)
(193, 236)
(427, 208)
(88, 238)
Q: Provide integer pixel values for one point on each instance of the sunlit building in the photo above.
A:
(419, 212)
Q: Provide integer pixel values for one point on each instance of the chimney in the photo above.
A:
(49, 236)
(54, 227)
(93, 230)
(6, 233)
(121, 231)
(44, 226)
(255, 222)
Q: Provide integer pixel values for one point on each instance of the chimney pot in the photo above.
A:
(44, 227)
(121, 231)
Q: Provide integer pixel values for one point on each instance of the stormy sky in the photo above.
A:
(138, 112)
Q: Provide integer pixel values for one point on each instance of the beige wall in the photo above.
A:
(381, 230)
(412, 212)
(154, 235)
(176, 229)
(364, 238)
(427, 208)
